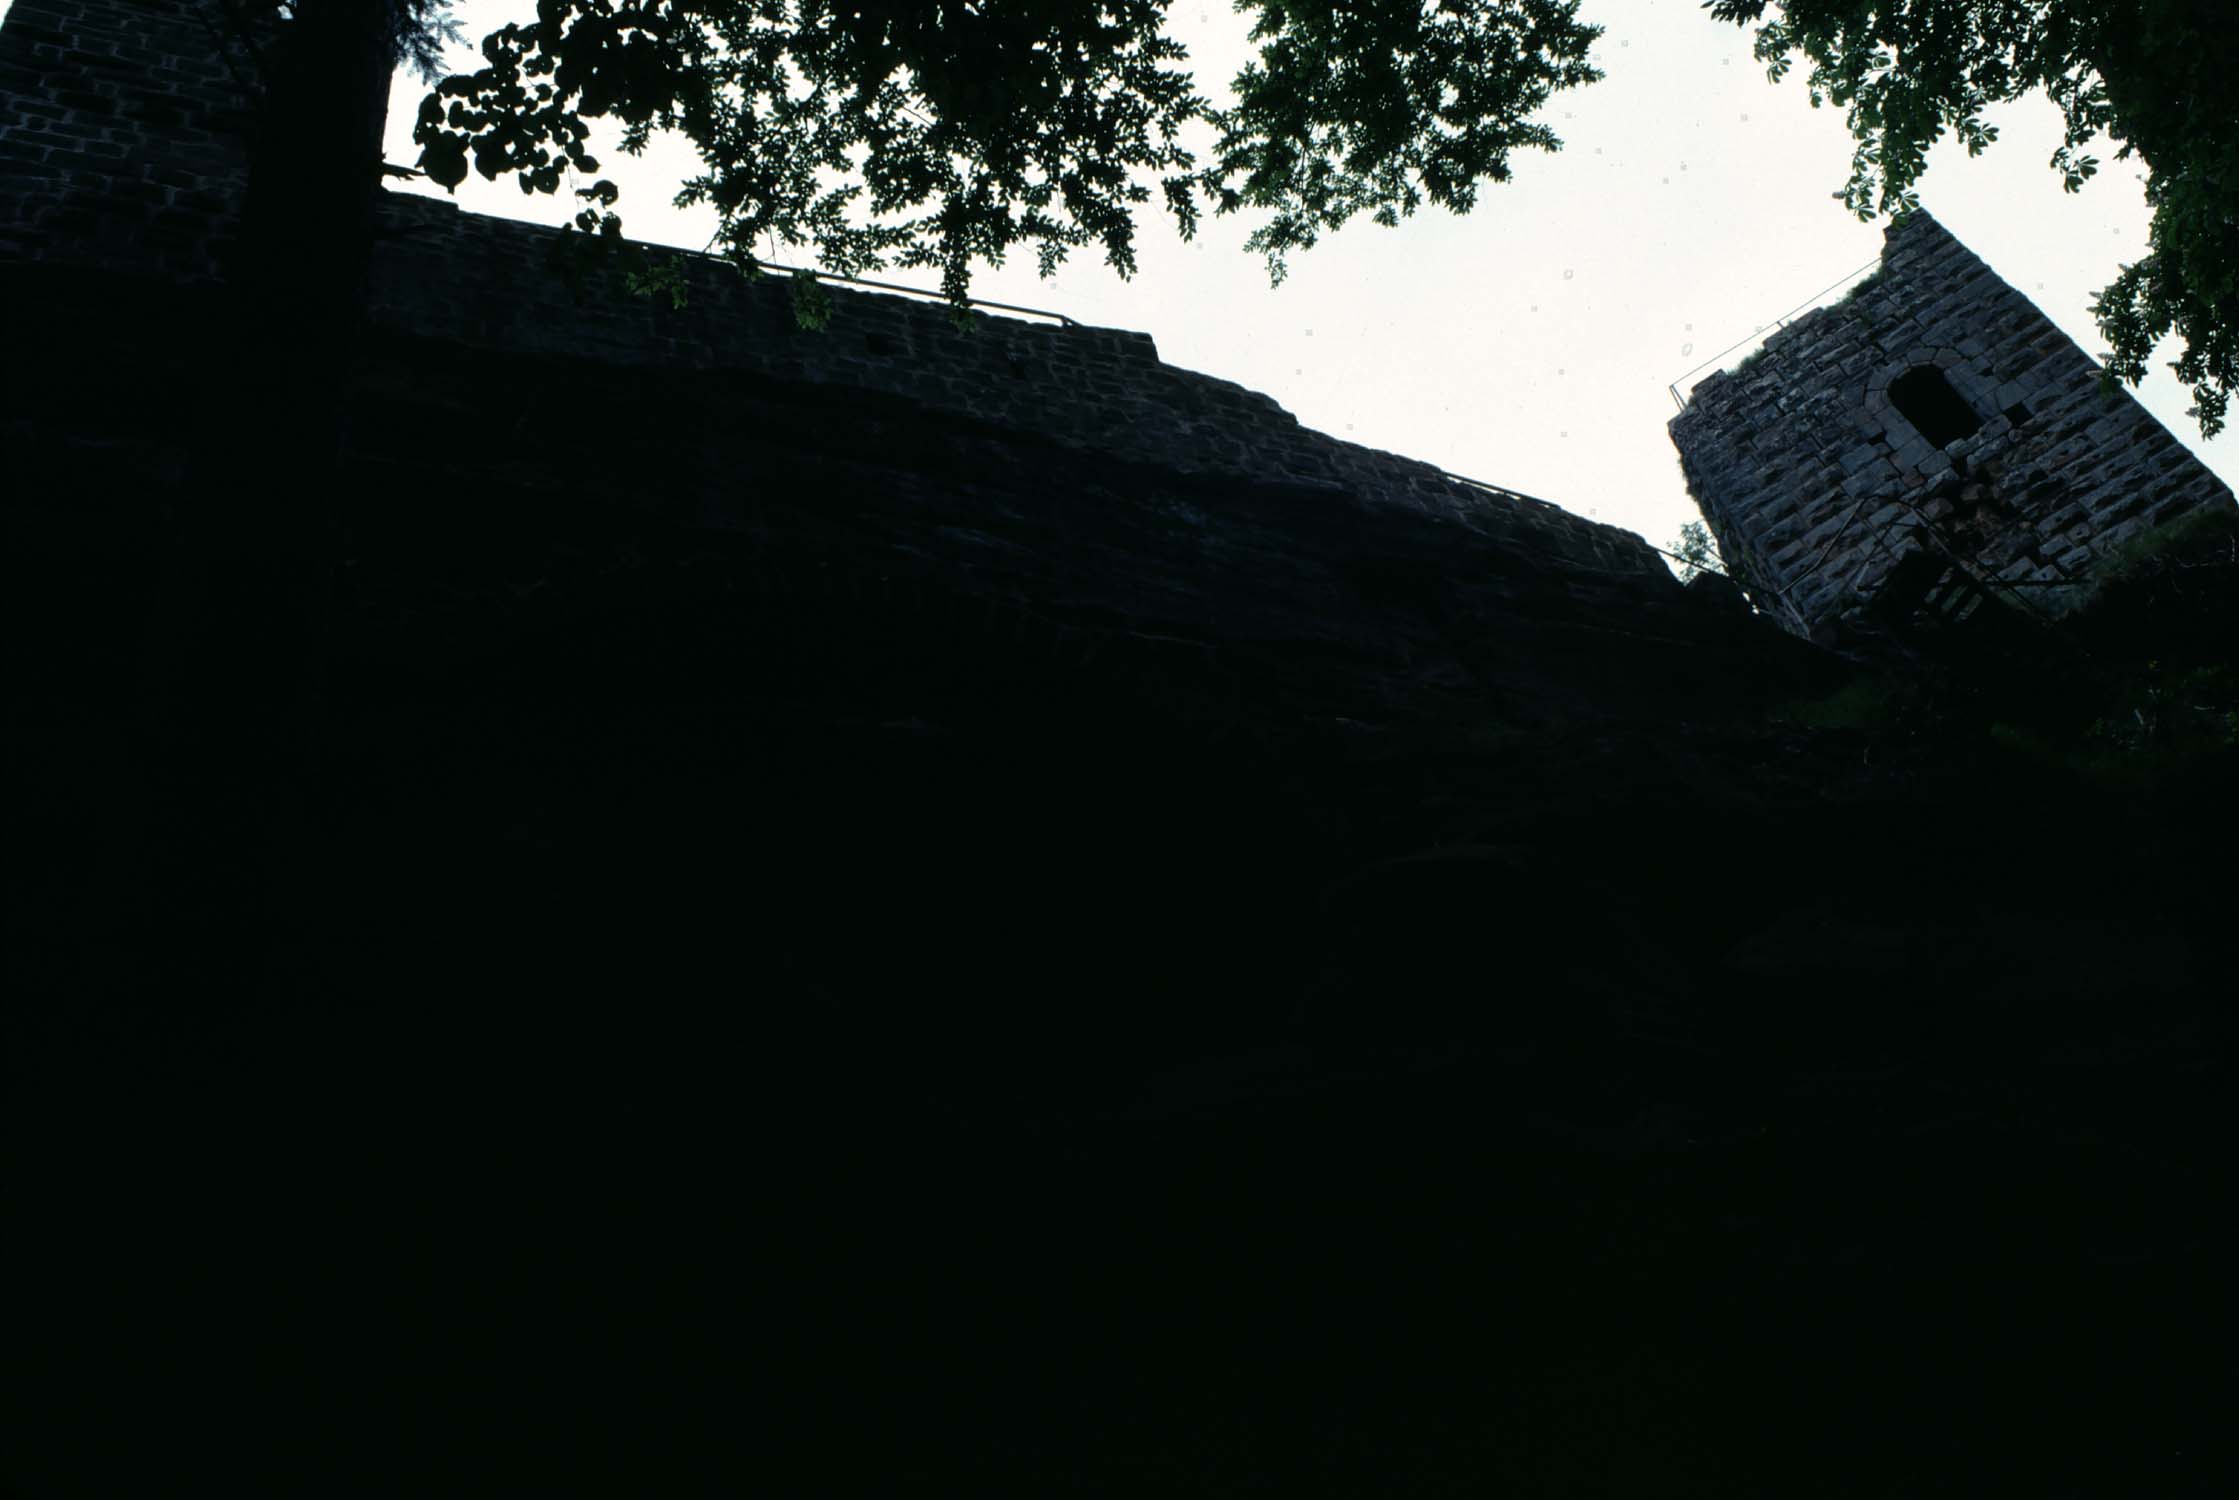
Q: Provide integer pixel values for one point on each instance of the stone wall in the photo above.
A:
(491, 284)
(1817, 483)
(122, 136)
(125, 153)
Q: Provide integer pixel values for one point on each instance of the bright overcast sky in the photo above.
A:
(1531, 343)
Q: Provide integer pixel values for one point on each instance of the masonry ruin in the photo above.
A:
(1029, 557)
(961, 910)
(126, 160)
(1929, 440)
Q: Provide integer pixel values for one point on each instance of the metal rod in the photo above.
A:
(884, 286)
(1778, 323)
(1499, 489)
(888, 286)
(770, 265)
(1508, 494)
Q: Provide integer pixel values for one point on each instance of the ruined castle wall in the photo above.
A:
(124, 152)
(122, 130)
(1816, 483)
(490, 283)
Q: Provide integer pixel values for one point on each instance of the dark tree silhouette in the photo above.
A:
(236, 669)
(947, 132)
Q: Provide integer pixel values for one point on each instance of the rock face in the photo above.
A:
(1936, 416)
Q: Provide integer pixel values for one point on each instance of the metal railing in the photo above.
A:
(393, 170)
(1503, 491)
(1508, 494)
(889, 286)
(882, 286)
(1497, 489)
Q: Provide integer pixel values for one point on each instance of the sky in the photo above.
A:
(1532, 343)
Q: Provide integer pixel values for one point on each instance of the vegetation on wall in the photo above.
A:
(2135, 683)
(2164, 613)
(1696, 550)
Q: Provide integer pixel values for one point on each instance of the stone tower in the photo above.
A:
(1930, 437)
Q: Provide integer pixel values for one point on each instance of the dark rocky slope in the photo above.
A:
(834, 937)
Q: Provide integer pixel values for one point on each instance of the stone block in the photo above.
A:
(1859, 457)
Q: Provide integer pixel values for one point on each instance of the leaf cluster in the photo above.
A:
(419, 32)
(2158, 77)
(1375, 106)
(1696, 550)
(947, 133)
(416, 31)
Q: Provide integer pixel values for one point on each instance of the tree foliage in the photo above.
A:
(420, 30)
(2158, 77)
(947, 133)
(1696, 550)
(417, 31)
(1373, 107)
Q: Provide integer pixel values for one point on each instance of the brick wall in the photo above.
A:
(122, 127)
(1816, 483)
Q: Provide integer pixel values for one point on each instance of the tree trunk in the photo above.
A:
(237, 678)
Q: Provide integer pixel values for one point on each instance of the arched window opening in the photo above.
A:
(1936, 411)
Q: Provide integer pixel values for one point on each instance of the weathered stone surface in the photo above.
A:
(2049, 440)
(1106, 941)
(124, 127)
